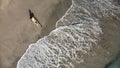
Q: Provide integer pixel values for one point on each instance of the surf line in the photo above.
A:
(33, 18)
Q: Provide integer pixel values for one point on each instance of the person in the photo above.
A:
(33, 18)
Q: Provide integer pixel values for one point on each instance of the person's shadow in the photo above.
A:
(31, 15)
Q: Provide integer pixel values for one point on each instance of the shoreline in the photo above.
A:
(17, 32)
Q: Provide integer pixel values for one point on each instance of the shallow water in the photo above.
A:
(87, 36)
(115, 63)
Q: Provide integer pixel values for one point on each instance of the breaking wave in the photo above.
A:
(76, 35)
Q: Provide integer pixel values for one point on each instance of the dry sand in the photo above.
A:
(16, 29)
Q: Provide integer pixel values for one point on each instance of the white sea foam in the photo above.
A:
(77, 33)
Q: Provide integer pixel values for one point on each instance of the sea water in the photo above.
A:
(75, 41)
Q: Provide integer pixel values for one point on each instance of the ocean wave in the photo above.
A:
(76, 35)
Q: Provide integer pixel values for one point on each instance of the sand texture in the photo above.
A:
(16, 29)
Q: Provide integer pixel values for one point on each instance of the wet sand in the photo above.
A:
(16, 29)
